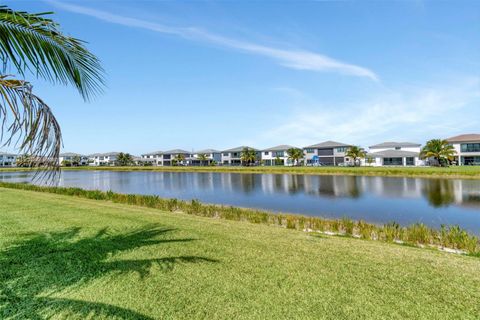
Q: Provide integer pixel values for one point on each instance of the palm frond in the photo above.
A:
(31, 42)
(30, 122)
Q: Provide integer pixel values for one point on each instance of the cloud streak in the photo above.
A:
(294, 59)
(416, 114)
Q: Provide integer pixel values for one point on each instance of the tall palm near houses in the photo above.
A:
(33, 45)
(355, 153)
(124, 159)
(440, 150)
(295, 154)
(179, 159)
(203, 158)
(248, 156)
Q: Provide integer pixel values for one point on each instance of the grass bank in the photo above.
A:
(70, 257)
(451, 238)
(464, 172)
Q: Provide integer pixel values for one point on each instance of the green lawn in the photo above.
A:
(469, 172)
(67, 257)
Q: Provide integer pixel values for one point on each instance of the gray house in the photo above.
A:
(233, 156)
(169, 157)
(328, 153)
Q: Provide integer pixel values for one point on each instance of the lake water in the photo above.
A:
(374, 199)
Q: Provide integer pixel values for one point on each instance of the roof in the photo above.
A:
(391, 144)
(393, 154)
(175, 151)
(239, 149)
(328, 144)
(104, 154)
(7, 154)
(152, 153)
(207, 151)
(281, 147)
(465, 138)
(71, 154)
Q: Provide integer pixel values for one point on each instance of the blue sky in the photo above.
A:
(197, 75)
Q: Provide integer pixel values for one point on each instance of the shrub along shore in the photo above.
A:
(448, 238)
(462, 172)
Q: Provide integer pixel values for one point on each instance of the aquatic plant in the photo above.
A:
(452, 237)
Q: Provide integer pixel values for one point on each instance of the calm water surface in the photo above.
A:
(374, 199)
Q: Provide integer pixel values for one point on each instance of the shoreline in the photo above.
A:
(397, 172)
(450, 239)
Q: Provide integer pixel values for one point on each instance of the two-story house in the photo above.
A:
(233, 157)
(277, 155)
(328, 153)
(467, 147)
(394, 154)
(8, 159)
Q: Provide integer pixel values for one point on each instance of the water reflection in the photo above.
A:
(376, 199)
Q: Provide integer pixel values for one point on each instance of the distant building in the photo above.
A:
(394, 154)
(277, 156)
(211, 155)
(171, 157)
(467, 147)
(233, 157)
(103, 159)
(155, 158)
(328, 153)
(8, 159)
(69, 157)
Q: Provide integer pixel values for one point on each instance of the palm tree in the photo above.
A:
(295, 154)
(355, 153)
(248, 156)
(124, 159)
(179, 159)
(33, 45)
(203, 158)
(76, 160)
(440, 150)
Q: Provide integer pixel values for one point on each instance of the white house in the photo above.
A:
(328, 153)
(277, 156)
(69, 157)
(155, 158)
(394, 154)
(8, 159)
(467, 147)
(103, 159)
(211, 156)
(233, 157)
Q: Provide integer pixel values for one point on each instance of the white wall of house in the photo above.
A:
(461, 155)
(8, 160)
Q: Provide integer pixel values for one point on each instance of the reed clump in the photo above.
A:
(452, 237)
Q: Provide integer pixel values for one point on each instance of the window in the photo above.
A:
(470, 147)
(266, 153)
(393, 161)
(410, 161)
(471, 161)
(309, 150)
(225, 154)
(398, 148)
(278, 154)
(341, 149)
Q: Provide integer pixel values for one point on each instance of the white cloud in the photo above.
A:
(415, 114)
(295, 59)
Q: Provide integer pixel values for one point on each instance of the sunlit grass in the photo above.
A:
(66, 257)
